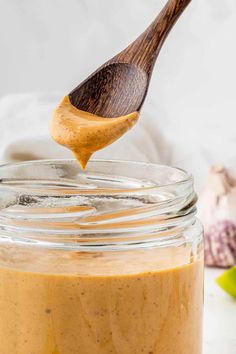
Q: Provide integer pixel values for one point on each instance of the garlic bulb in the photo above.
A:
(217, 212)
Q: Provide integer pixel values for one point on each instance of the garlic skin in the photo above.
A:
(217, 212)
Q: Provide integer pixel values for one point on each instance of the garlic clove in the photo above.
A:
(220, 244)
(217, 211)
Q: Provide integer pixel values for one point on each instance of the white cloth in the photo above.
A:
(24, 127)
(193, 145)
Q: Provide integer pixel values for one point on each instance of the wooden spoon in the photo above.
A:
(119, 86)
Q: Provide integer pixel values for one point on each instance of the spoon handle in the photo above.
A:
(145, 49)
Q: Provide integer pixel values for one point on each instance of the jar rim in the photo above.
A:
(186, 177)
(160, 200)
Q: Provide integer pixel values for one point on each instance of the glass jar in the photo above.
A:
(109, 260)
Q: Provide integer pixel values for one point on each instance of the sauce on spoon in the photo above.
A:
(85, 133)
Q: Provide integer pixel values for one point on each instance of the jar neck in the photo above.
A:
(96, 209)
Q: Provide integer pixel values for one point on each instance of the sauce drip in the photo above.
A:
(85, 133)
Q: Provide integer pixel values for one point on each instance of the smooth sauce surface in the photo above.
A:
(140, 302)
(85, 133)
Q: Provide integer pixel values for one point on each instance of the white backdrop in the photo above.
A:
(50, 46)
(189, 118)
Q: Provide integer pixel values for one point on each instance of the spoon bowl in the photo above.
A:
(115, 90)
(119, 87)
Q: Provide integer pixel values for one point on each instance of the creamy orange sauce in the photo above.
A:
(85, 133)
(133, 302)
(137, 301)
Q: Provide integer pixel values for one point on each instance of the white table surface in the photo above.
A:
(220, 317)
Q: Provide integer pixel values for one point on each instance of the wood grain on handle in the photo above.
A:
(145, 49)
(119, 86)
